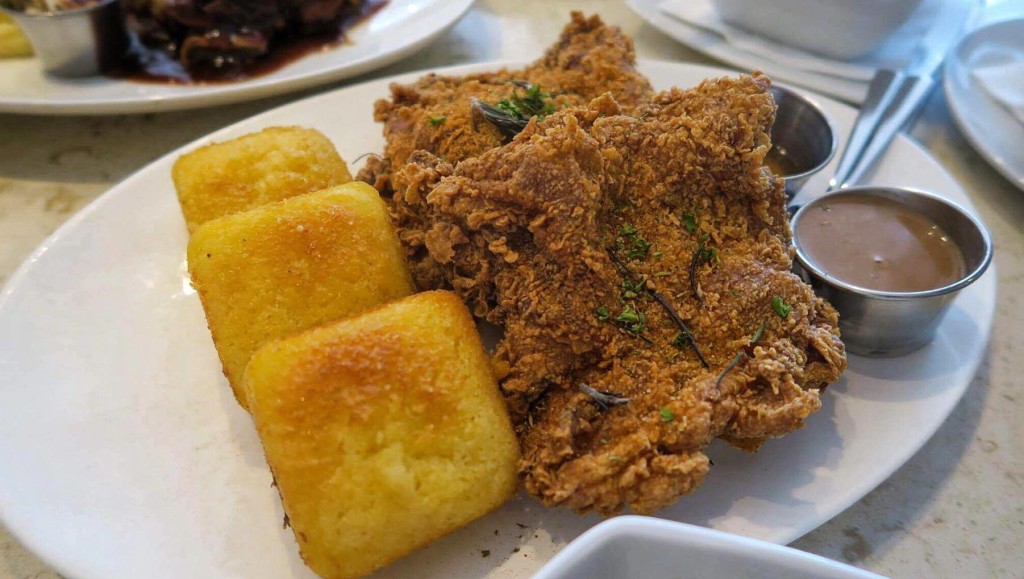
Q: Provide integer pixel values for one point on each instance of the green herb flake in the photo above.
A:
(434, 121)
(603, 314)
(661, 274)
(631, 319)
(667, 415)
(690, 222)
(781, 307)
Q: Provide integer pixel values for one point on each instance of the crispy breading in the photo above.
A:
(574, 235)
(435, 114)
(384, 431)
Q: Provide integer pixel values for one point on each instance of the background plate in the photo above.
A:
(400, 28)
(991, 129)
(950, 17)
(123, 452)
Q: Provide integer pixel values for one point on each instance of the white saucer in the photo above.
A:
(990, 128)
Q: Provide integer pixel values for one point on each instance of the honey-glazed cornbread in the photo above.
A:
(287, 266)
(12, 41)
(384, 431)
(255, 169)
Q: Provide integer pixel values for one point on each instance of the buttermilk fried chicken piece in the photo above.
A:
(435, 114)
(640, 266)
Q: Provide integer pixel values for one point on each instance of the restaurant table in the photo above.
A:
(955, 509)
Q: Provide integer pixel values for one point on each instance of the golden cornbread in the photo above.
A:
(384, 431)
(12, 41)
(255, 169)
(288, 266)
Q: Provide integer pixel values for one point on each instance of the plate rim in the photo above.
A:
(958, 110)
(256, 88)
(23, 271)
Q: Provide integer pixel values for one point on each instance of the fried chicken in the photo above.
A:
(637, 256)
(435, 114)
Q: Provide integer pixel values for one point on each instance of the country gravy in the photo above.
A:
(878, 244)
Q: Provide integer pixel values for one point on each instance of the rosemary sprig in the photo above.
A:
(511, 115)
(739, 356)
(701, 255)
(628, 273)
(603, 398)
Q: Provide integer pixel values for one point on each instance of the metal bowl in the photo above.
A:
(77, 42)
(886, 323)
(803, 140)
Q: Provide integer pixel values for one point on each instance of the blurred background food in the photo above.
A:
(12, 41)
(223, 36)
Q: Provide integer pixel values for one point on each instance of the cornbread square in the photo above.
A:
(12, 41)
(288, 266)
(384, 431)
(255, 169)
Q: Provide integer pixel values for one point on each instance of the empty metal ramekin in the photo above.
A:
(804, 134)
(76, 42)
(886, 323)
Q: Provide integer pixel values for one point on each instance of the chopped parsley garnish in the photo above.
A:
(690, 222)
(667, 415)
(631, 319)
(434, 121)
(781, 307)
(602, 314)
(635, 246)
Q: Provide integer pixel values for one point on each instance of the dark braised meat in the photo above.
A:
(225, 35)
(638, 260)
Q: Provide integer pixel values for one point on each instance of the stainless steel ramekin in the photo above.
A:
(77, 42)
(886, 323)
(804, 131)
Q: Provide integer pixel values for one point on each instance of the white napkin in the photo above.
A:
(1001, 75)
(896, 53)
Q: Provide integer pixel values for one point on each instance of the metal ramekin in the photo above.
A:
(884, 323)
(805, 131)
(77, 42)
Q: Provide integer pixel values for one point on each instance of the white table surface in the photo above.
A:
(954, 510)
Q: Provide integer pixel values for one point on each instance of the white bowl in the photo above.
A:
(841, 29)
(651, 548)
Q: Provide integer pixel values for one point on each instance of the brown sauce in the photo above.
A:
(780, 162)
(147, 64)
(878, 244)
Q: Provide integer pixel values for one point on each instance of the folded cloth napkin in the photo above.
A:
(895, 54)
(1001, 75)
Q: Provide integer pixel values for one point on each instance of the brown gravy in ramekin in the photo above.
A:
(880, 244)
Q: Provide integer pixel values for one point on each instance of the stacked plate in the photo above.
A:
(931, 28)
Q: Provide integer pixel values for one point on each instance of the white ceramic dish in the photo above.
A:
(397, 30)
(124, 454)
(991, 129)
(947, 20)
(836, 28)
(656, 549)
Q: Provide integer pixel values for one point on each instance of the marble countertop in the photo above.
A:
(956, 509)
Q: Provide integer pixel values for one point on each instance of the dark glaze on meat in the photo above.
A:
(203, 41)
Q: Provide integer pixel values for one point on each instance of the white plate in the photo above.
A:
(655, 549)
(397, 30)
(124, 454)
(993, 131)
(948, 20)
